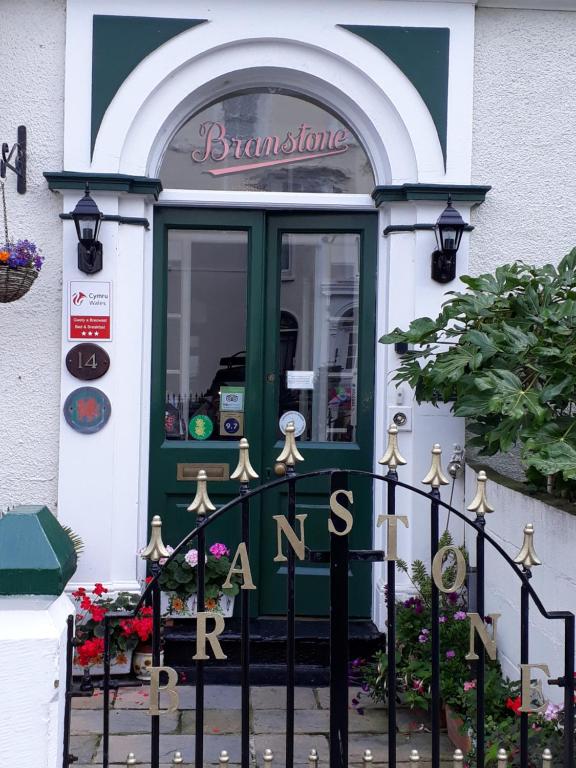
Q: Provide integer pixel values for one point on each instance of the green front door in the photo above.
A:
(257, 315)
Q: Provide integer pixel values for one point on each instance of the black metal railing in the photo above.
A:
(339, 556)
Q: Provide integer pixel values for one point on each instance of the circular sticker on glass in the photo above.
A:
(298, 420)
(87, 410)
(231, 425)
(200, 427)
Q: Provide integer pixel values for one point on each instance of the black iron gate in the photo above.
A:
(338, 556)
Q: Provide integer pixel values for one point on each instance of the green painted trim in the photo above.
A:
(399, 193)
(104, 182)
(131, 39)
(422, 54)
(37, 556)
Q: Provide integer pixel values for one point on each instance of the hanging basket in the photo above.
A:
(15, 282)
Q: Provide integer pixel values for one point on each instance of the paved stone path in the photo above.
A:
(130, 728)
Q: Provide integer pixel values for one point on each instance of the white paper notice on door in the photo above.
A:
(300, 379)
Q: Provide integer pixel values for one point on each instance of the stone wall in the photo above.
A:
(554, 581)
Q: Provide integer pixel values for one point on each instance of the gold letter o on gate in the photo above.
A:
(460, 569)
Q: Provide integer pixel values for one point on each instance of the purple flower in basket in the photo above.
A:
(22, 253)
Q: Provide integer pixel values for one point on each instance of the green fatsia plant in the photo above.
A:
(504, 354)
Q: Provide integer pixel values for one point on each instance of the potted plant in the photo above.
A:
(502, 726)
(20, 263)
(125, 634)
(503, 353)
(413, 650)
(179, 583)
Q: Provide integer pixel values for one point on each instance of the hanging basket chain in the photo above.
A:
(6, 236)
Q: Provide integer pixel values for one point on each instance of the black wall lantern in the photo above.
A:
(448, 230)
(87, 219)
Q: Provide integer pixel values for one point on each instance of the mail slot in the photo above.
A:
(213, 471)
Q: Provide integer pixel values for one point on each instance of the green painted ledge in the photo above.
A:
(37, 556)
(104, 182)
(398, 193)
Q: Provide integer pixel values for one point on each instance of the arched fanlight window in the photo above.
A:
(267, 140)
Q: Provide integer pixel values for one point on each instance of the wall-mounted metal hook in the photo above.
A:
(18, 165)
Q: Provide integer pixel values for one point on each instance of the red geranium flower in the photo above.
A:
(80, 592)
(86, 603)
(99, 589)
(514, 704)
(97, 613)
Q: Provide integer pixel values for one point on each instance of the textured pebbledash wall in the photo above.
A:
(32, 37)
(524, 136)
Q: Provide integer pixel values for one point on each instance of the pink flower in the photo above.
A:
(450, 654)
(424, 636)
(219, 550)
(552, 711)
(469, 685)
(163, 560)
(442, 619)
(460, 615)
(191, 558)
(418, 685)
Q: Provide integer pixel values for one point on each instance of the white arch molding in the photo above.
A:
(197, 67)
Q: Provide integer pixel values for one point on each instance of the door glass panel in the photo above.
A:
(267, 141)
(206, 334)
(319, 333)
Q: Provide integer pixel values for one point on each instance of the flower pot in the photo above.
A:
(121, 664)
(15, 282)
(142, 661)
(178, 608)
(454, 725)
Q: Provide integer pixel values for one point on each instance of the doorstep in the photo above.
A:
(268, 650)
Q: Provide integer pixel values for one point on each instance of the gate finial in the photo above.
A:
(367, 757)
(224, 758)
(436, 477)
(546, 758)
(392, 457)
(502, 758)
(527, 556)
(458, 758)
(155, 549)
(290, 453)
(268, 756)
(313, 759)
(244, 472)
(177, 759)
(480, 503)
(201, 504)
(414, 756)
(131, 759)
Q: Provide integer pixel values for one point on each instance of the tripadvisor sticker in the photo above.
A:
(200, 427)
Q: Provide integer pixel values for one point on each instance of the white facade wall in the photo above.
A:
(554, 581)
(524, 136)
(32, 39)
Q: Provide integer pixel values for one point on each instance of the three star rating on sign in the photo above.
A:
(89, 333)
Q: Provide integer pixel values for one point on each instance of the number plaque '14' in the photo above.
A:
(87, 361)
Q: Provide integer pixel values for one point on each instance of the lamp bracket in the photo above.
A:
(18, 164)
